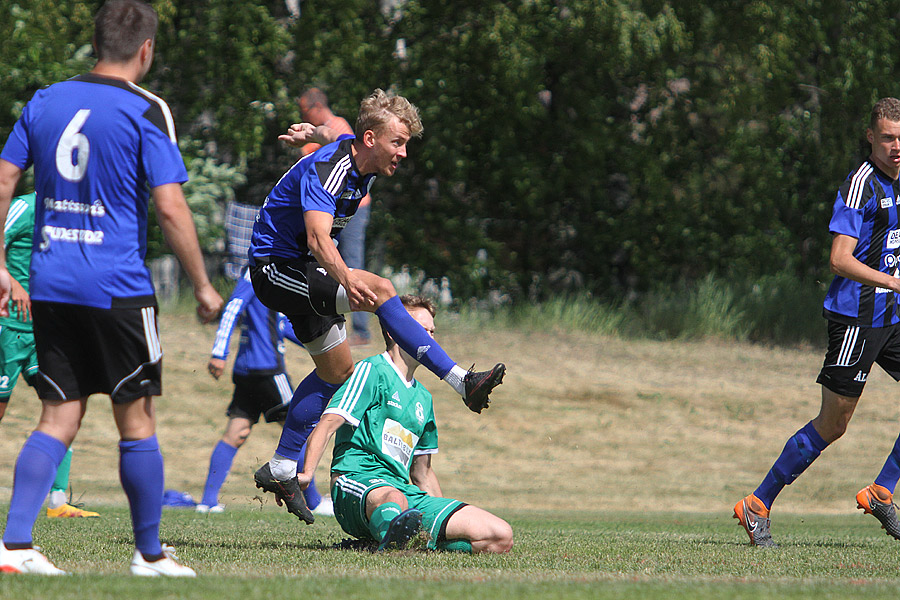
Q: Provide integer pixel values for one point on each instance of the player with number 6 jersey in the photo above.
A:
(108, 141)
(101, 148)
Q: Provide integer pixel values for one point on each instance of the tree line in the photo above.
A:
(570, 146)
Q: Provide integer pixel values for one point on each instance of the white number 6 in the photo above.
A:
(73, 139)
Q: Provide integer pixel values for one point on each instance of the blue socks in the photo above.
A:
(141, 472)
(34, 474)
(219, 466)
(309, 400)
(414, 340)
(799, 452)
(890, 472)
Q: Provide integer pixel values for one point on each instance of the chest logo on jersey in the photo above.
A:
(893, 239)
(395, 401)
(420, 413)
(887, 202)
(398, 442)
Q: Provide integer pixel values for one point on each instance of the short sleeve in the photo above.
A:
(160, 156)
(356, 395)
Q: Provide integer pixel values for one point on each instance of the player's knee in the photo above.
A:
(502, 539)
(384, 289)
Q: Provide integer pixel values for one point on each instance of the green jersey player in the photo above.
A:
(17, 353)
(382, 482)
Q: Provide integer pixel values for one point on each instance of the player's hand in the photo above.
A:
(209, 302)
(298, 134)
(361, 295)
(304, 479)
(5, 289)
(216, 367)
(20, 299)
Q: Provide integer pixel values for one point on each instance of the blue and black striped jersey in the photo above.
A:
(326, 180)
(867, 209)
(98, 146)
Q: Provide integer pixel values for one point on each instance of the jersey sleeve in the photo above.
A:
(356, 395)
(849, 207)
(18, 220)
(160, 155)
(313, 195)
(17, 150)
(236, 306)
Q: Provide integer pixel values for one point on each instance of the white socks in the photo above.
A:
(457, 379)
(282, 468)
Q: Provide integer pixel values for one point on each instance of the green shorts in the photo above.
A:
(17, 355)
(349, 495)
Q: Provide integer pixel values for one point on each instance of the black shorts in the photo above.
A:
(256, 394)
(83, 350)
(852, 350)
(303, 291)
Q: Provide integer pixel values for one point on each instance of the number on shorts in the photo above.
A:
(72, 166)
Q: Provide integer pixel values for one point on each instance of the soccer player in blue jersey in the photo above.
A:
(297, 270)
(382, 480)
(101, 147)
(863, 326)
(262, 386)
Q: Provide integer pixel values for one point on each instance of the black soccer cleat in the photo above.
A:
(479, 384)
(288, 491)
(402, 529)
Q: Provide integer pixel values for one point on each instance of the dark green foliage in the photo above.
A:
(570, 146)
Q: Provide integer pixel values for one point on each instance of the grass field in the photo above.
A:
(617, 462)
(251, 552)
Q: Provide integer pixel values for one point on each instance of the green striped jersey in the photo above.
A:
(389, 420)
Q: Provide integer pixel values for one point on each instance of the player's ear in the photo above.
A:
(369, 138)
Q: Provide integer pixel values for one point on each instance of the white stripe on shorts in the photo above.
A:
(849, 342)
(283, 281)
(151, 334)
(284, 389)
(354, 488)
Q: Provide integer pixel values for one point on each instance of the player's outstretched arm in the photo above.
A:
(300, 134)
(177, 224)
(315, 446)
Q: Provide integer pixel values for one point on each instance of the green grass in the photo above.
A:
(250, 553)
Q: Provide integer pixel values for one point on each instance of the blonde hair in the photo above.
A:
(376, 111)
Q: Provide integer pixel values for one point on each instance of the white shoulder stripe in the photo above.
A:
(857, 185)
(18, 209)
(355, 387)
(337, 176)
(167, 114)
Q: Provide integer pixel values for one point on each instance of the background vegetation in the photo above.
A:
(610, 149)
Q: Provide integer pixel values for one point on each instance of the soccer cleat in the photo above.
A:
(167, 566)
(403, 528)
(288, 491)
(877, 501)
(26, 561)
(754, 516)
(481, 383)
(67, 510)
(205, 508)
